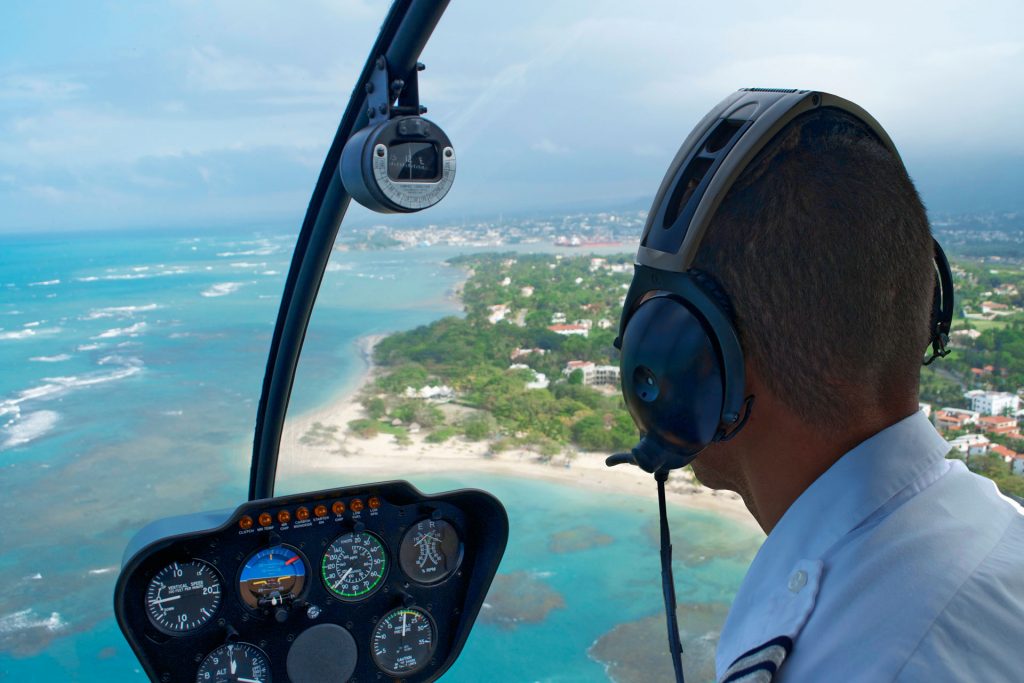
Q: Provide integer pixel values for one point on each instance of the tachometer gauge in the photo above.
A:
(183, 596)
(404, 641)
(354, 565)
(271, 577)
(239, 662)
(430, 551)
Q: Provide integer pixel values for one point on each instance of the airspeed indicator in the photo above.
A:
(354, 565)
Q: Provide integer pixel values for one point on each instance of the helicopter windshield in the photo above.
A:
(153, 183)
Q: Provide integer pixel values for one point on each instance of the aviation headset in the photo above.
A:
(682, 364)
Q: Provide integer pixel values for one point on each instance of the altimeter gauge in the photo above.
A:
(235, 663)
(430, 551)
(183, 596)
(404, 641)
(354, 565)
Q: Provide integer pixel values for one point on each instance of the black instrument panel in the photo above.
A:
(368, 583)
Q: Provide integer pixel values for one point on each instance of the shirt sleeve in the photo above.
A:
(960, 646)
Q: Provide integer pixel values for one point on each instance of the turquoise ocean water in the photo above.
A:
(131, 366)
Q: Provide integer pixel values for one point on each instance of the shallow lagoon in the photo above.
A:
(131, 369)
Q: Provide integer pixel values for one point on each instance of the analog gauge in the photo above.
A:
(430, 551)
(183, 596)
(240, 662)
(271, 577)
(354, 565)
(404, 641)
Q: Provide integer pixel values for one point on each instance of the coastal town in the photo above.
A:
(531, 364)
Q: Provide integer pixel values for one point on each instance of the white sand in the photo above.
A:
(382, 457)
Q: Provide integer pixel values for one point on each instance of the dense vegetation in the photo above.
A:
(999, 350)
(473, 355)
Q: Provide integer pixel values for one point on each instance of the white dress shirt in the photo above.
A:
(895, 565)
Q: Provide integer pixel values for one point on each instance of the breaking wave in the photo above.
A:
(60, 357)
(118, 311)
(27, 619)
(23, 426)
(222, 289)
(130, 331)
(29, 427)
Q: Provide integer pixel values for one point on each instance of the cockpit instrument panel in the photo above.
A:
(368, 583)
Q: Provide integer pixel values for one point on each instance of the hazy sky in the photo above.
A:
(127, 114)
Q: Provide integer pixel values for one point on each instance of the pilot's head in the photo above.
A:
(824, 248)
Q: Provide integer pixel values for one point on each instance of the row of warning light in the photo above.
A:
(302, 513)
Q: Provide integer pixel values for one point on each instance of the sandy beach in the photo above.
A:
(382, 457)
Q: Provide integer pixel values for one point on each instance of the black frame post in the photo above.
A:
(402, 37)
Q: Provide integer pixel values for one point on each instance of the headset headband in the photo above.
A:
(711, 159)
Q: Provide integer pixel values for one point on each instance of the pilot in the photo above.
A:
(885, 560)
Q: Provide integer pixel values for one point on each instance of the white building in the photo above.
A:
(558, 318)
(965, 334)
(925, 408)
(432, 393)
(593, 374)
(1017, 466)
(520, 353)
(568, 330)
(526, 291)
(993, 402)
(498, 313)
(539, 381)
(971, 444)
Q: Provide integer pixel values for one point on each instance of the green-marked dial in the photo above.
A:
(354, 565)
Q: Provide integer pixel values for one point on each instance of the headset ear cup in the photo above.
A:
(942, 306)
(671, 374)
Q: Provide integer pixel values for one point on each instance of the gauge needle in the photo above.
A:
(403, 623)
(234, 664)
(292, 561)
(424, 539)
(343, 577)
(163, 600)
(247, 680)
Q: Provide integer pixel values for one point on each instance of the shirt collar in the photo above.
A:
(779, 590)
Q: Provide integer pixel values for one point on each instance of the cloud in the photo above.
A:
(229, 107)
(30, 88)
(546, 146)
(274, 83)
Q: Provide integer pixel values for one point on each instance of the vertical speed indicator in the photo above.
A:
(183, 596)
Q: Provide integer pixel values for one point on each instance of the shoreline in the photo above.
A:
(334, 450)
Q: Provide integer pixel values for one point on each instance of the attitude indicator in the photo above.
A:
(272, 577)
